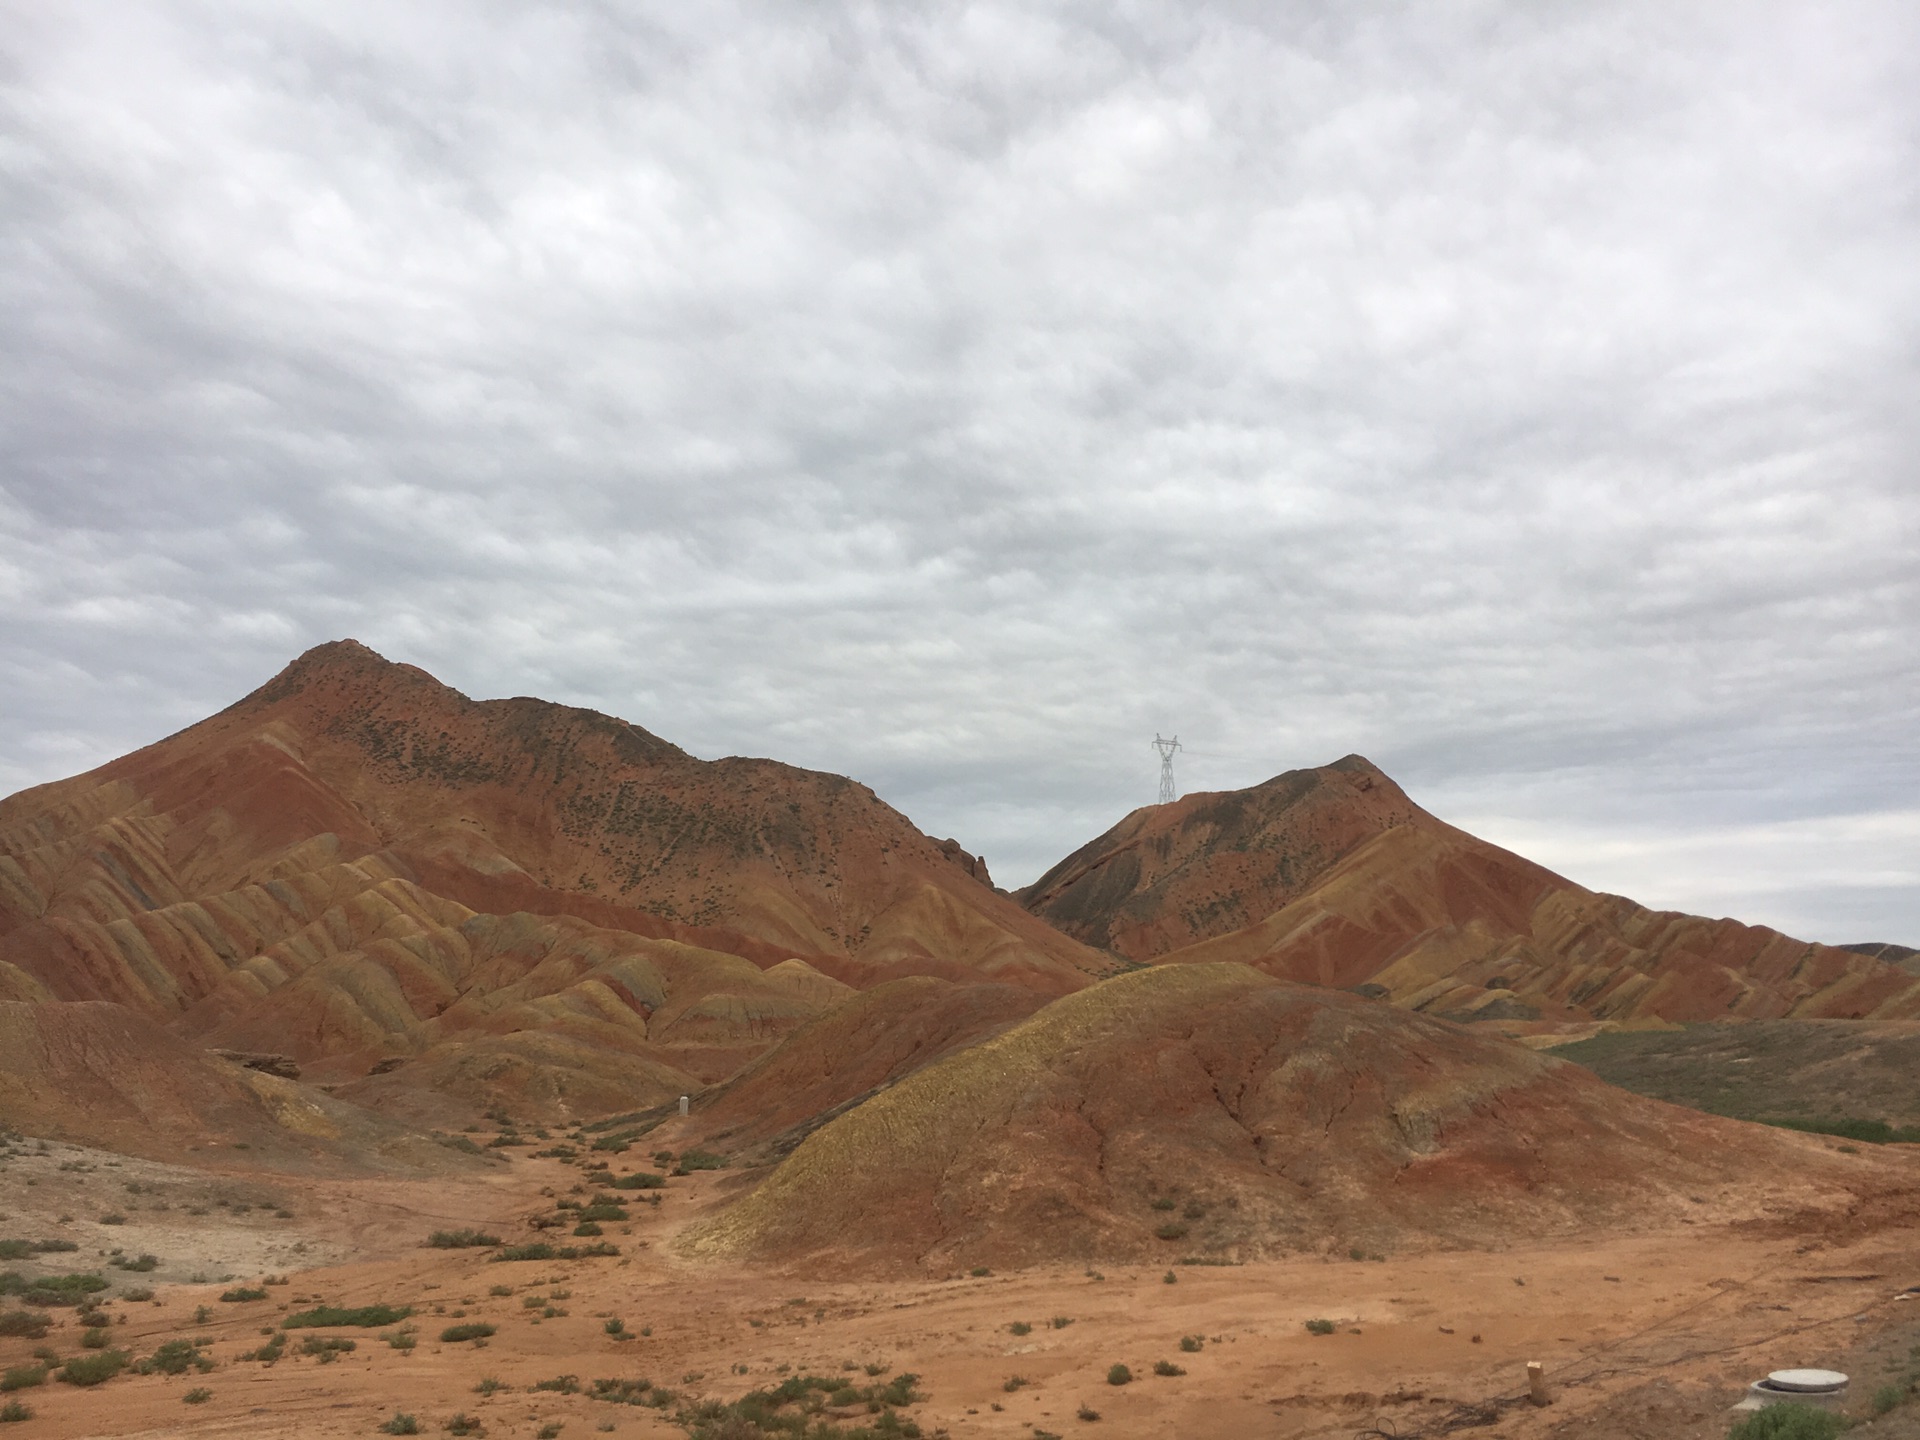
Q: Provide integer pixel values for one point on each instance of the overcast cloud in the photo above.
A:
(1522, 395)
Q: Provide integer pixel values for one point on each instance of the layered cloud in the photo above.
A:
(956, 396)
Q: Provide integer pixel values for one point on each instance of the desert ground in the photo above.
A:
(1649, 1334)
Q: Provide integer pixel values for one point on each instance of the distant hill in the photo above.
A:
(1335, 877)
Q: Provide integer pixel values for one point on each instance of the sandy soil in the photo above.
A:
(1648, 1335)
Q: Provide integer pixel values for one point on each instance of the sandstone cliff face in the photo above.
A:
(356, 863)
(1335, 877)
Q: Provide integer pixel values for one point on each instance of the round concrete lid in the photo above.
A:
(1808, 1381)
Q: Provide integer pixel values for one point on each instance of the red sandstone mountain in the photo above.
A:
(1334, 876)
(356, 864)
(1210, 1109)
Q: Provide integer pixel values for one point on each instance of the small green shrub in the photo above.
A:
(465, 1425)
(560, 1384)
(138, 1264)
(402, 1339)
(113, 1218)
(1119, 1375)
(401, 1424)
(1172, 1230)
(1320, 1327)
(95, 1337)
(472, 1330)
(199, 1395)
(1015, 1382)
(1789, 1422)
(139, 1293)
(269, 1352)
(1165, 1202)
(23, 1377)
(1086, 1412)
(490, 1383)
(1191, 1344)
(461, 1240)
(1060, 1322)
(550, 1430)
(639, 1180)
(1167, 1367)
(332, 1315)
(94, 1369)
(616, 1327)
(541, 1250)
(692, 1160)
(174, 1357)
(327, 1348)
(978, 1271)
(604, 1210)
(1887, 1397)
(1020, 1327)
(27, 1323)
(13, 1410)
(588, 1229)
(1169, 1278)
(242, 1292)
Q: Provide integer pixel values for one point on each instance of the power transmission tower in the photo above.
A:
(1166, 749)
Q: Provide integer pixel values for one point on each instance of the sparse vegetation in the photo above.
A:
(401, 1424)
(472, 1330)
(560, 1384)
(692, 1160)
(1886, 1398)
(1789, 1422)
(1192, 1344)
(1119, 1375)
(242, 1293)
(14, 1410)
(95, 1369)
(1060, 1322)
(329, 1316)
(174, 1357)
(1015, 1382)
(461, 1240)
(327, 1348)
(1020, 1327)
(1320, 1327)
(199, 1395)
(138, 1264)
(23, 1377)
(1167, 1367)
(1087, 1413)
(541, 1250)
(1172, 1230)
(639, 1180)
(24, 1323)
(271, 1351)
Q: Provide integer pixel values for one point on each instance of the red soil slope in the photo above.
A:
(1211, 1109)
(1334, 876)
(357, 863)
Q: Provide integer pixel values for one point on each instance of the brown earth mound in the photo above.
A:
(847, 1055)
(1211, 1110)
(1334, 876)
(99, 1074)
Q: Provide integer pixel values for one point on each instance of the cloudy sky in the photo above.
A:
(1525, 396)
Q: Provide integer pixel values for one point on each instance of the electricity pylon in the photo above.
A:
(1166, 749)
